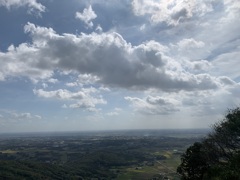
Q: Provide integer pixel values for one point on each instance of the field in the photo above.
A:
(119, 155)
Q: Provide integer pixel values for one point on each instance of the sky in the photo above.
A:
(79, 65)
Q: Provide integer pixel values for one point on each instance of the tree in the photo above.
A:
(194, 162)
(218, 155)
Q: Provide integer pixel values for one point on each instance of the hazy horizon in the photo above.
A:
(108, 65)
(119, 132)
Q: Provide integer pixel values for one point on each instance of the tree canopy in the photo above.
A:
(217, 156)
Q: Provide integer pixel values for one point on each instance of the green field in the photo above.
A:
(159, 169)
(121, 156)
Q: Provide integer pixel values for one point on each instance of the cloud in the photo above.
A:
(87, 16)
(202, 65)
(99, 29)
(2, 77)
(189, 45)
(2, 120)
(154, 105)
(171, 57)
(208, 103)
(25, 116)
(171, 12)
(212, 103)
(112, 114)
(60, 94)
(105, 58)
(84, 79)
(85, 99)
(23, 61)
(72, 84)
(32, 5)
(227, 64)
(15, 118)
(190, 52)
(52, 80)
(115, 112)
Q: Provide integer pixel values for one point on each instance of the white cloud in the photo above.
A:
(104, 58)
(227, 64)
(171, 58)
(86, 98)
(189, 53)
(60, 94)
(109, 61)
(32, 5)
(44, 85)
(99, 29)
(104, 89)
(2, 120)
(72, 84)
(64, 106)
(189, 44)
(202, 65)
(25, 116)
(87, 79)
(171, 12)
(212, 102)
(46, 82)
(88, 105)
(13, 118)
(154, 105)
(112, 114)
(52, 80)
(37, 117)
(87, 16)
(23, 61)
(115, 112)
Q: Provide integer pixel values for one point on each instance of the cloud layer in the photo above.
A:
(32, 5)
(107, 56)
(105, 61)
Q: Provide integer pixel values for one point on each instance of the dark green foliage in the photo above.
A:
(218, 155)
(194, 162)
(31, 170)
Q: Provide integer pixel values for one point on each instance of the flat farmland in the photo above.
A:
(146, 154)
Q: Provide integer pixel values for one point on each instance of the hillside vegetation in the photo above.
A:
(218, 155)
